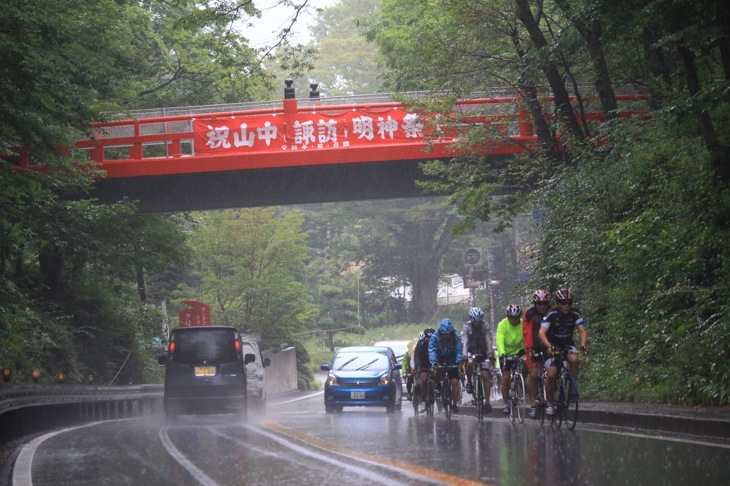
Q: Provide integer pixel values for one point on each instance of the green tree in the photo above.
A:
(346, 64)
(631, 214)
(247, 266)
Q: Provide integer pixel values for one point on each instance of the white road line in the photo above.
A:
(22, 474)
(368, 474)
(639, 435)
(297, 399)
(183, 461)
(371, 476)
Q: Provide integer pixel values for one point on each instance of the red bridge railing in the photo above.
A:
(294, 135)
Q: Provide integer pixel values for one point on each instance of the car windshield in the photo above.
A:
(214, 346)
(361, 361)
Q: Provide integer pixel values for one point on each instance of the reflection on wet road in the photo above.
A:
(297, 443)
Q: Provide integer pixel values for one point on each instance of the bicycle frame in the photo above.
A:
(516, 392)
(479, 394)
(445, 388)
(566, 389)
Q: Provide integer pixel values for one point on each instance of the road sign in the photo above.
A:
(198, 314)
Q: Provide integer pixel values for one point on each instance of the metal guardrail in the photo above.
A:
(18, 396)
(29, 409)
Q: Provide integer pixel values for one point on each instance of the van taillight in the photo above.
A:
(172, 347)
(238, 345)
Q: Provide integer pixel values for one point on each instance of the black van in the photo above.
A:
(205, 372)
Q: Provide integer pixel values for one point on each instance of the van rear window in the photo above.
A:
(214, 346)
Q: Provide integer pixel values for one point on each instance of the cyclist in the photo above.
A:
(557, 329)
(534, 349)
(509, 343)
(476, 339)
(445, 348)
(422, 365)
(407, 372)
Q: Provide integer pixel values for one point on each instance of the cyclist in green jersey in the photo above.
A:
(509, 343)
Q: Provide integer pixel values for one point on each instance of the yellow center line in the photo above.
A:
(404, 466)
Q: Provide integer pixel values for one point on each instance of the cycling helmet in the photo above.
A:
(540, 296)
(513, 310)
(563, 295)
(429, 332)
(476, 314)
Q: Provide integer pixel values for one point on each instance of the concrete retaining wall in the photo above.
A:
(281, 375)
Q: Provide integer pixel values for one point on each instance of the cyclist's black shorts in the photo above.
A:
(453, 372)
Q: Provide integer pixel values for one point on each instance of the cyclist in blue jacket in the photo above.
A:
(445, 348)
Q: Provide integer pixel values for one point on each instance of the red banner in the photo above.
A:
(279, 132)
(198, 314)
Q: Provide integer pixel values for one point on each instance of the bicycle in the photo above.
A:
(479, 394)
(416, 395)
(496, 391)
(541, 398)
(433, 394)
(446, 389)
(516, 392)
(566, 389)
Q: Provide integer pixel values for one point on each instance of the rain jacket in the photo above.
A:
(445, 351)
(421, 359)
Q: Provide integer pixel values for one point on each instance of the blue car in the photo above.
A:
(363, 376)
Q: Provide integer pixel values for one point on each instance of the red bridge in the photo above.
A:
(311, 150)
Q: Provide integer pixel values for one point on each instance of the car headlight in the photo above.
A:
(331, 380)
(385, 380)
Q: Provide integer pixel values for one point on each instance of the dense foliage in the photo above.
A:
(80, 282)
(633, 214)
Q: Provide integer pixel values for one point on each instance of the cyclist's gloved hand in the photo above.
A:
(584, 349)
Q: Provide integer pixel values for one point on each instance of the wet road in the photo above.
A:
(297, 443)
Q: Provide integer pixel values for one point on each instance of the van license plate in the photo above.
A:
(205, 371)
(357, 395)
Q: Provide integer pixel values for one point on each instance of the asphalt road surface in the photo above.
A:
(295, 442)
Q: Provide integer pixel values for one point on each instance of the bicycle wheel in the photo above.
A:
(541, 401)
(559, 402)
(478, 389)
(430, 397)
(416, 395)
(446, 396)
(512, 397)
(570, 411)
(518, 402)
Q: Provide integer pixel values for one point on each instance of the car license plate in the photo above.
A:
(357, 395)
(205, 371)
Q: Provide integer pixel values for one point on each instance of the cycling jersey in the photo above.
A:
(475, 339)
(509, 338)
(531, 322)
(562, 326)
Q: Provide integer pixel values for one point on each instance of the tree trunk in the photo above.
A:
(141, 286)
(562, 99)
(654, 56)
(592, 37)
(51, 268)
(528, 91)
(425, 291)
(430, 242)
(722, 16)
